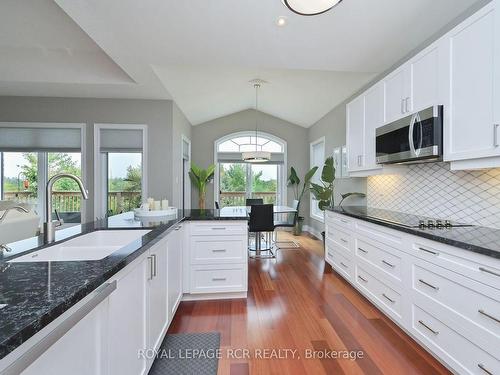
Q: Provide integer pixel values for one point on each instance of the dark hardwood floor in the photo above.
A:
(296, 302)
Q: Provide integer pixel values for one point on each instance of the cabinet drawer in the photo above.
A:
(342, 264)
(219, 279)
(218, 249)
(329, 254)
(388, 299)
(475, 266)
(338, 220)
(380, 256)
(340, 237)
(218, 228)
(454, 348)
(475, 306)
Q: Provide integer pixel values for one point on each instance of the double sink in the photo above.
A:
(91, 246)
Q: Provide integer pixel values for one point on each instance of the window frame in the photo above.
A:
(281, 194)
(100, 165)
(43, 161)
(312, 204)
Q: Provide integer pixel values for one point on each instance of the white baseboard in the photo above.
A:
(312, 231)
(212, 296)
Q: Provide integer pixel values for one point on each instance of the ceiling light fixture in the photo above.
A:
(257, 156)
(310, 7)
(281, 21)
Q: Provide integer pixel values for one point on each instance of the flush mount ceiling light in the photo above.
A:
(257, 156)
(310, 7)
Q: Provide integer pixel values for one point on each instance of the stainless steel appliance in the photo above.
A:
(413, 139)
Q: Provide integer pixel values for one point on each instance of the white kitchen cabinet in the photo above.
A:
(397, 94)
(474, 96)
(356, 133)
(174, 263)
(81, 351)
(374, 117)
(157, 306)
(127, 326)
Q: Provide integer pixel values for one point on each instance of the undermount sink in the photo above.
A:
(91, 246)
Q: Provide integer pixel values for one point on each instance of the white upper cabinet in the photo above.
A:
(356, 134)
(474, 88)
(374, 117)
(397, 94)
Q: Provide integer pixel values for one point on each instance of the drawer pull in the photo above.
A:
(428, 251)
(218, 279)
(344, 221)
(428, 284)
(218, 250)
(178, 228)
(429, 328)
(362, 279)
(488, 315)
(363, 250)
(343, 264)
(344, 240)
(219, 228)
(488, 271)
(481, 366)
(330, 254)
(388, 264)
(387, 298)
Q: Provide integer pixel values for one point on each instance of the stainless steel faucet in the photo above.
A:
(18, 208)
(50, 225)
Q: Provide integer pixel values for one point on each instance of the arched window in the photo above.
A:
(235, 180)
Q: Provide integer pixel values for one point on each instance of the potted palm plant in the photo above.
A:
(200, 179)
(294, 182)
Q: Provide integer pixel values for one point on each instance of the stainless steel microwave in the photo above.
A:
(412, 139)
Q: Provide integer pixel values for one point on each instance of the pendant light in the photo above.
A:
(310, 7)
(257, 156)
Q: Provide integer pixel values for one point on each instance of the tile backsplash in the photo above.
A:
(433, 190)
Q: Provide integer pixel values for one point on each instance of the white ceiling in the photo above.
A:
(203, 53)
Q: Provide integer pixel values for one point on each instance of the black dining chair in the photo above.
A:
(254, 201)
(262, 221)
(290, 222)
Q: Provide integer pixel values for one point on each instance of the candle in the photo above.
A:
(164, 204)
(157, 205)
(151, 203)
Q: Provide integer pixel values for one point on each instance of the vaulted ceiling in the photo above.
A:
(203, 53)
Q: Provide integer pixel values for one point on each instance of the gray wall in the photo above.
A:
(157, 114)
(181, 127)
(204, 136)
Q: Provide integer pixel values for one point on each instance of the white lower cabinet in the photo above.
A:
(447, 298)
(175, 266)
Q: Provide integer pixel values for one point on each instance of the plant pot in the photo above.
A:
(297, 229)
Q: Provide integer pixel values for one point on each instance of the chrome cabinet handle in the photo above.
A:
(402, 106)
(218, 279)
(343, 264)
(406, 104)
(489, 271)
(428, 251)
(388, 264)
(177, 228)
(32, 354)
(219, 228)
(495, 134)
(481, 311)
(218, 250)
(363, 250)
(343, 240)
(428, 284)
(151, 265)
(481, 366)
(429, 328)
(344, 221)
(387, 298)
(362, 279)
(330, 254)
(155, 269)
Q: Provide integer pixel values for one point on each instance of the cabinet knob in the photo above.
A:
(495, 134)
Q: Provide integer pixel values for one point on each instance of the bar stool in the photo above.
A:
(262, 221)
(252, 201)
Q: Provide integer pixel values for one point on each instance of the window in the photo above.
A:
(120, 173)
(236, 181)
(317, 158)
(30, 154)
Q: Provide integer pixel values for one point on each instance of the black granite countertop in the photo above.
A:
(482, 240)
(34, 294)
